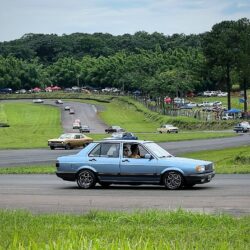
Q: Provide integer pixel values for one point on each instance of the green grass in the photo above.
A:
(3, 118)
(31, 125)
(227, 161)
(135, 117)
(126, 116)
(120, 230)
(44, 169)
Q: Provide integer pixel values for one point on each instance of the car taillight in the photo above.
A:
(57, 164)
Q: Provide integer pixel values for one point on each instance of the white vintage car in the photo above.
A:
(38, 101)
(168, 128)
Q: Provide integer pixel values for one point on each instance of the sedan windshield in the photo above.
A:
(157, 150)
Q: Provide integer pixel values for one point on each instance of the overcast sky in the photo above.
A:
(18, 17)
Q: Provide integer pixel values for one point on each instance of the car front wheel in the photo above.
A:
(173, 180)
(86, 179)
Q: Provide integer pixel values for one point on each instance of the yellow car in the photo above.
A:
(69, 141)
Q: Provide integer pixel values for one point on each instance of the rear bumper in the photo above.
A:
(66, 176)
(200, 178)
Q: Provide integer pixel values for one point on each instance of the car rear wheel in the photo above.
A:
(173, 180)
(67, 146)
(86, 179)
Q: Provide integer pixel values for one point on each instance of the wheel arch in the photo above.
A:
(86, 168)
(166, 170)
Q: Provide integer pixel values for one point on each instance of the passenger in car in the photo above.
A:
(125, 152)
(134, 151)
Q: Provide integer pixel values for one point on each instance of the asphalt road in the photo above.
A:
(87, 113)
(10, 158)
(47, 193)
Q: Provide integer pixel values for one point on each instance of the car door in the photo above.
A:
(78, 140)
(104, 158)
(139, 170)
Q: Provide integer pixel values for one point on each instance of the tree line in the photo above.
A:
(155, 64)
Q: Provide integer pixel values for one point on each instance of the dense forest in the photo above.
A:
(154, 63)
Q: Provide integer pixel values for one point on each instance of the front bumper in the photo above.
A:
(200, 178)
(56, 144)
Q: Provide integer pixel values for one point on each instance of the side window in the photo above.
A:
(134, 150)
(96, 151)
(142, 151)
(110, 150)
(77, 136)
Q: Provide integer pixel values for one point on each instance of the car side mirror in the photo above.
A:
(148, 156)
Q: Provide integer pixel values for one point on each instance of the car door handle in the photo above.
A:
(125, 160)
(92, 159)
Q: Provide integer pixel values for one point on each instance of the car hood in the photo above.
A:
(181, 161)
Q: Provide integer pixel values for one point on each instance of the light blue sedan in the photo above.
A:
(132, 162)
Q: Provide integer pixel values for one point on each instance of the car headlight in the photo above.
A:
(200, 168)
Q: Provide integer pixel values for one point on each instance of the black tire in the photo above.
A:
(168, 131)
(52, 147)
(173, 180)
(86, 179)
(67, 146)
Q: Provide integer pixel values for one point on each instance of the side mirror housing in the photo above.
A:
(148, 156)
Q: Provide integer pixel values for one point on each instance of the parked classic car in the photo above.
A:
(168, 128)
(227, 116)
(108, 162)
(243, 127)
(122, 136)
(84, 129)
(113, 129)
(69, 141)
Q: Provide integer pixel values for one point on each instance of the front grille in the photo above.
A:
(209, 167)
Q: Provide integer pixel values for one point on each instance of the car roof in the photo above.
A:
(123, 141)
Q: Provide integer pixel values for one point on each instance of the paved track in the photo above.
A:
(48, 193)
(87, 113)
(44, 156)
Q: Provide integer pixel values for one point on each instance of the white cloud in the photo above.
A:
(115, 16)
